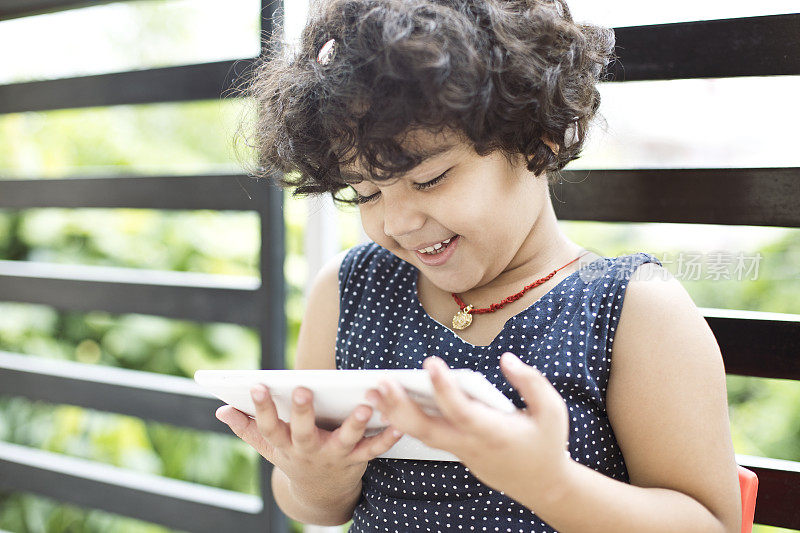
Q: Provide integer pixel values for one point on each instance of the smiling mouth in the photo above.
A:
(437, 248)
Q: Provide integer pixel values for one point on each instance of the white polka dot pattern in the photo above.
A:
(567, 334)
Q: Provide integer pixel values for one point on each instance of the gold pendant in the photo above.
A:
(463, 318)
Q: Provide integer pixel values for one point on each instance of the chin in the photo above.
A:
(446, 283)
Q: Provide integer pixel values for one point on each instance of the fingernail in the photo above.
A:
(258, 394)
(384, 388)
(300, 398)
(361, 415)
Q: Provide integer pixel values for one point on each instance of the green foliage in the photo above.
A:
(153, 139)
(34, 514)
(143, 139)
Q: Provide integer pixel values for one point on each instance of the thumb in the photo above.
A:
(246, 429)
(529, 382)
(234, 418)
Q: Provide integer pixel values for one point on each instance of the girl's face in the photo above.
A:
(488, 203)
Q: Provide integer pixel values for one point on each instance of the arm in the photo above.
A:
(316, 345)
(667, 404)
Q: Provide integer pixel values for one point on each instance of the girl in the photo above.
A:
(447, 121)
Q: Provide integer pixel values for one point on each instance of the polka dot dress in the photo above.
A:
(567, 334)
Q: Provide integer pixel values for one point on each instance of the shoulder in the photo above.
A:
(656, 303)
(327, 279)
(657, 317)
(316, 340)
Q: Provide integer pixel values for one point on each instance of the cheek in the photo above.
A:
(373, 227)
(368, 222)
(480, 212)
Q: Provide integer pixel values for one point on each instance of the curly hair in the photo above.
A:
(501, 73)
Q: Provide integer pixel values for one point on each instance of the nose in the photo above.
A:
(400, 217)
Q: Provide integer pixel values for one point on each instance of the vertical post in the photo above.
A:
(272, 295)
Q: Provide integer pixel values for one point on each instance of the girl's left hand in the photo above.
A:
(510, 452)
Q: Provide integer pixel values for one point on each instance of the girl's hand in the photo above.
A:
(510, 452)
(308, 455)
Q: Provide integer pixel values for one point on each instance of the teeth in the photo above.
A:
(435, 247)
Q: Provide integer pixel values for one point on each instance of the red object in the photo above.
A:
(748, 484)
(494, 307)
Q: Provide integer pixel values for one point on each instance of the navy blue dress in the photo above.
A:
(567, 335)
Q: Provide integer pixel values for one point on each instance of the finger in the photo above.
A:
(535, 389)
(352, 429)
(246, 429)
(303, 426)
(403, 413)
(370, 447)
(456, 406)
(275, 430)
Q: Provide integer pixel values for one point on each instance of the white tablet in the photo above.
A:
(338, 392)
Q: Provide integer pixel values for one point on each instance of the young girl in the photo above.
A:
(448, 120)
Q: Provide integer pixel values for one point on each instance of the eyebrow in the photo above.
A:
(423, 155)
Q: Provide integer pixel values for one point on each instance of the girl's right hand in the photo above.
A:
(307, 454)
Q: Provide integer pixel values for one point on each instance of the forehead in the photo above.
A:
(421, 144)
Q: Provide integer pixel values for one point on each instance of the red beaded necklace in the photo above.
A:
(463, 318)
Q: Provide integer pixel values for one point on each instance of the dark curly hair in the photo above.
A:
(500, 73)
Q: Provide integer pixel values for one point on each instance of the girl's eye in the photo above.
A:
(364, 199)
(420, 186)
(434, 181)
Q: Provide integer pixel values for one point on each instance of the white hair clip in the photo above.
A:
(571, 135)
(327, 52)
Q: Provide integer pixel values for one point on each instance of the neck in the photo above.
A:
(544, 249)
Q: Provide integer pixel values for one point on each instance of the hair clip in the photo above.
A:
(572, 135)
(327, 52)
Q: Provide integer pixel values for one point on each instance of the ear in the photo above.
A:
(553, 146)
